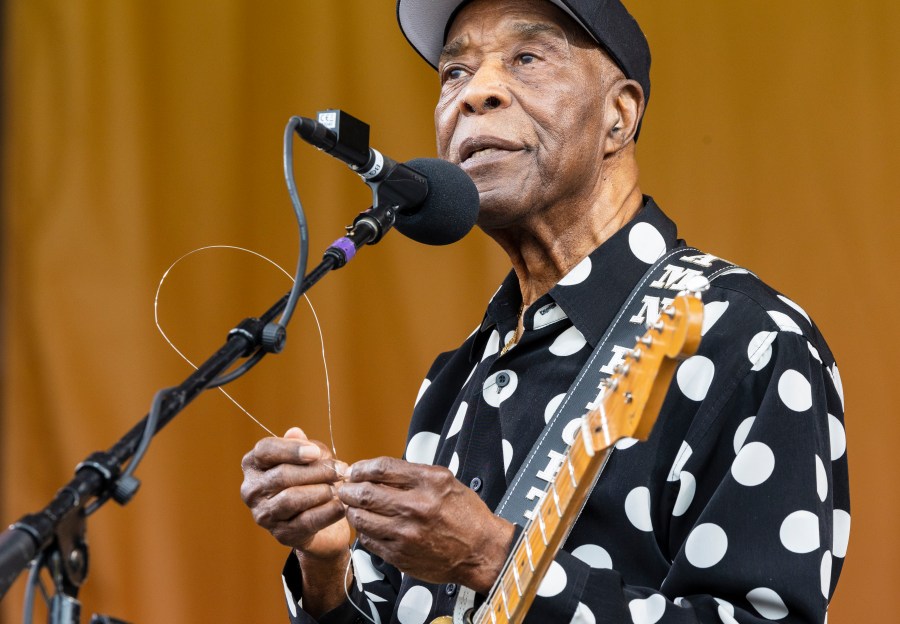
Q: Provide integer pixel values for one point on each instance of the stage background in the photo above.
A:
(134, 132)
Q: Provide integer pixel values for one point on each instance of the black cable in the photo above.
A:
(293, 126)
(34, 578)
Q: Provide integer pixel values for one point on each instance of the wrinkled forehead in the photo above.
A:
(471, 32)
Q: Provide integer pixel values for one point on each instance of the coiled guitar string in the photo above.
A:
(222, 390)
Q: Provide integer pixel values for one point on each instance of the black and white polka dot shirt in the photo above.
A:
(735, 510)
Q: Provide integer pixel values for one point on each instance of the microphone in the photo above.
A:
(436, 201)
(450, 207)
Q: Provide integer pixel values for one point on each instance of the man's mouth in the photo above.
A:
(476, 149)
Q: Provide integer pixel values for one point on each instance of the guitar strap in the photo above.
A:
(676, 270)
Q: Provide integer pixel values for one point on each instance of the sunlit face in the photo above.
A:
(521, 107)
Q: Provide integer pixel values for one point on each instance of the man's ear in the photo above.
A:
(624, 107)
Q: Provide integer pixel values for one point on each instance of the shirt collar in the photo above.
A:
(593, 291)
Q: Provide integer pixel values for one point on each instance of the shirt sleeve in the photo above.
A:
(758, 518)
(371, 596)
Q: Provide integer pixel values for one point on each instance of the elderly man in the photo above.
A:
(735, 509)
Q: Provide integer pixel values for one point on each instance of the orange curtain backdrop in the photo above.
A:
(135, 132)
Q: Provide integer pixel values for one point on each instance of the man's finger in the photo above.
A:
(389, 471)
(270, 452)
(292, 502)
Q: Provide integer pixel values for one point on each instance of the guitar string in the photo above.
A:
(241, 407)
(222, 390)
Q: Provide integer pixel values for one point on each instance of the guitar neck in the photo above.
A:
(542, 537)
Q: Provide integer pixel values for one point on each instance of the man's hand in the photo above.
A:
(426, 523)
(290, 485)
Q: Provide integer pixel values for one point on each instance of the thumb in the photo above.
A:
(295, 433)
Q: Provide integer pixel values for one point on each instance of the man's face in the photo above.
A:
(521, 108)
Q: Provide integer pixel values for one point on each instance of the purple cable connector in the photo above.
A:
(346, 246)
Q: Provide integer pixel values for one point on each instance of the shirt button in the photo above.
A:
(450, 589)
(502, 380)
(475, 484)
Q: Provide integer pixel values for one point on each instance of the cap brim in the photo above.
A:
(424, 22)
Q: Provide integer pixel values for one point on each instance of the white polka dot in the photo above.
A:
(759, 351)
(825, 574)
(583, 615)
(821, 479)
(743, 430)
(637, 508)
(838, 384)
(422, 447)
(510, 335)
(547, 315)
(837, 437)
(706, 545)
(694, 377)
(796, 307)
(679, 601)
(569, 342)
(795, 391)
(712, 312)
(492, 346)
(454, 464)
(458, 419)
(684, 454)
(507, 454)
(494, 393)
(646, 243)
(415, 606)
(784, 322)
(814, 352)
(471, 372)
(292, 604)
(726, 612)
(685, 494)
(753, 465)
(374, 597)
(552, 406)
(578, 274)
(647, 610)
(554, 581)
(767, 603)
(800, 532)
(841, 533)
(363, 569)
(595, 556)
(422, 389)
(626, 443)
(572, 427)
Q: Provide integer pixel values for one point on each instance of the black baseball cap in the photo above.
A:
(425, 22)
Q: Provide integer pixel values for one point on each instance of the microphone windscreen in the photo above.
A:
(450, 208)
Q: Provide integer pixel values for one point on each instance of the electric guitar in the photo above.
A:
(626, 406)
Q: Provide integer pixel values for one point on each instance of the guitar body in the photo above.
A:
(627, 406)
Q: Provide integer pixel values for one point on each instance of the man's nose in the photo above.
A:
(486, 91)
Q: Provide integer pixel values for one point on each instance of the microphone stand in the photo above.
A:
(55, 537)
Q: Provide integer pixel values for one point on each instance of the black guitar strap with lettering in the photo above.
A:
(679, 269)
(673, 272)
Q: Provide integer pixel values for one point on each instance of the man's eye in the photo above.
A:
(453, 73)
(527, 59)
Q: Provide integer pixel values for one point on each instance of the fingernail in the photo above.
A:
(309, 452)
(342, 469)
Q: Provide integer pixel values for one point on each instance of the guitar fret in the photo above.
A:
(543, 528)
(528, 553)
(493, 617)
(571, 472)
(586, 437)
(505, 604)
(556, 500)
(515, 572)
